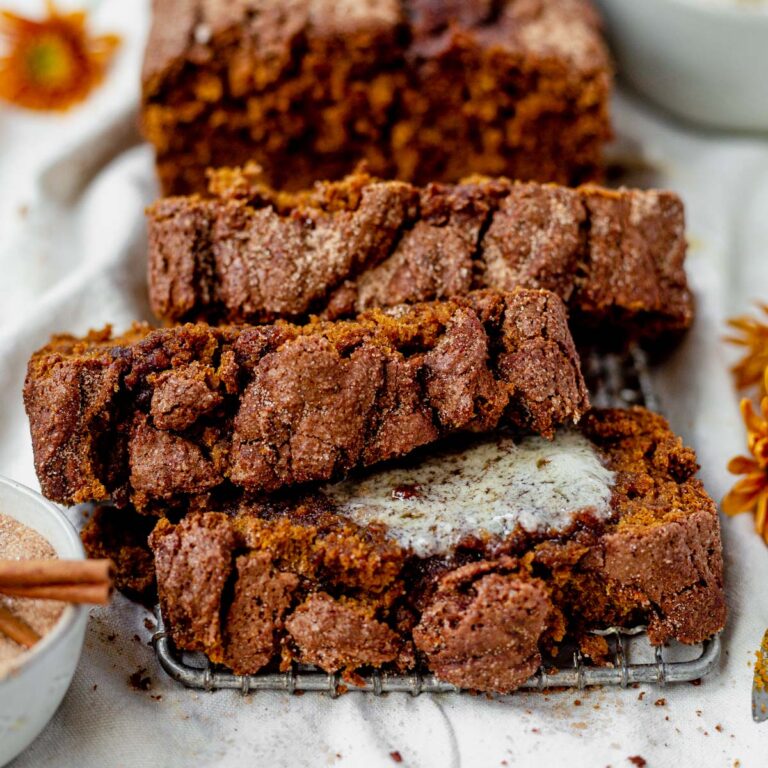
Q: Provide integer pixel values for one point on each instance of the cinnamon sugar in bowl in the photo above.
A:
(33, 682)
(20, 542)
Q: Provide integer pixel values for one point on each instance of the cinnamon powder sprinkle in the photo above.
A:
(19, 542)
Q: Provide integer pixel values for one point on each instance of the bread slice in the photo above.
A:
(248, 253)
(474, 562)
(419, 89)
(176, 416)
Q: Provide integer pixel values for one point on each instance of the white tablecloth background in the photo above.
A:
(72, 257)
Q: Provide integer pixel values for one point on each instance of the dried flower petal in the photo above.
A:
(750, 493)
(752, 333)
(743, 497)
(756, 426)
(53, 63)
(761, 516)
(741, 465)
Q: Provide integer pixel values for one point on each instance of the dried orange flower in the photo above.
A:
(752, 334)
(53, 63)
(751, 492)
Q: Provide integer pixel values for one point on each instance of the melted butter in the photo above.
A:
(491, 487)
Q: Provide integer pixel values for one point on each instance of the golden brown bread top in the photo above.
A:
(566, 29)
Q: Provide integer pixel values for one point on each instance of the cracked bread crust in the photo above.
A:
(249, 253)
(174, 417)
(254, 622)
(482, 628)
(483, 615)
(337, 634)
(208, 548)
(419, 89)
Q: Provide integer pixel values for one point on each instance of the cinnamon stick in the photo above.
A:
(71, 581)
(92, 594)
(29, 573)
(19, 631)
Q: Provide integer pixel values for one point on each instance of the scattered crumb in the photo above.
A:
(139, 680)
(640, 762)
(577, 702)
(641, 695)
(697, 681)
(719, 728)
(136, 639)
(95, 686)
(535, 730)
(698, 713)
(580, 725)
(660, 703)
(157, 697)
(396, 757)
(299, 693)
(149, 625)
(111, 637)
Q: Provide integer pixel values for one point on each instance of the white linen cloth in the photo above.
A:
(72, 257)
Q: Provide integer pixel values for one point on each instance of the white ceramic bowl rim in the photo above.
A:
(747, 12)
(68, 619)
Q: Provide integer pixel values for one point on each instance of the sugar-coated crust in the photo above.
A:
(195, 611)
(422, 90)
(249, 253)
(174, 416)
(326, 591)
(482, 628)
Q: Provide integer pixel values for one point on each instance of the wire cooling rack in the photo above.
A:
(614, 380)
(195, 671)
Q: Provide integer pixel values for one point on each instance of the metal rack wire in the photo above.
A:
(615, 380)
(579, 674)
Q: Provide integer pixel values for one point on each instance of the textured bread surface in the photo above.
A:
(419, 89)
(179, 416)
(249, 253)
(292, 579)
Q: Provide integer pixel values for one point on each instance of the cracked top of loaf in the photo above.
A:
(176, 415)
(248, 252)
(565, 29)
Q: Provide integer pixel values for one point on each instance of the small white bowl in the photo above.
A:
(34, 688)
(703, 60)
